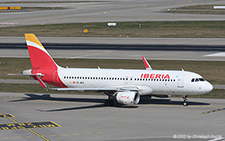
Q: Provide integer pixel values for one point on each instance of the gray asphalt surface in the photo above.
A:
(109, 10)
(84, 117)
(121, 48)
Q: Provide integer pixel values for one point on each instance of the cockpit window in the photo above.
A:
(201, 79)
(197, 79)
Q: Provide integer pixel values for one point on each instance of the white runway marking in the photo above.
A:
(8, 23)
(220, 54)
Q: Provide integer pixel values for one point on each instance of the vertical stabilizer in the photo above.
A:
(44, 67)
(39, 57)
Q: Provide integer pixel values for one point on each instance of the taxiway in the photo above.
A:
(84, 117)
(105, 11)
(121, 48)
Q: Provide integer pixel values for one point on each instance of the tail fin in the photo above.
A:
(44, 68)
(39, 57)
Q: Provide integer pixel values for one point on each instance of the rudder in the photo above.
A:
(39, 57)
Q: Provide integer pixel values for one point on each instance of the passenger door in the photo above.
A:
(180, 81)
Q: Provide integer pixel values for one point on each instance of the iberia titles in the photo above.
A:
(155, 76)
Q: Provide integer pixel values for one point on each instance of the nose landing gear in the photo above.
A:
(185, 100)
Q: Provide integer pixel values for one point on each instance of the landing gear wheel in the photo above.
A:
(185, 101)
(109, 103)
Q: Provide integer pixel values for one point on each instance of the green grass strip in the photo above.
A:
(155, 29)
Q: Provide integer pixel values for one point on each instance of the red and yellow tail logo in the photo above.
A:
(42, 62)
(40, 58)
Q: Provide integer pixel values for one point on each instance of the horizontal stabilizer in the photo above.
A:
(38, 77)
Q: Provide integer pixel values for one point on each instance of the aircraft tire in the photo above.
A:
(109, 103)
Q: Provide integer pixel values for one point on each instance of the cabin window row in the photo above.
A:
(95, 78)
(113, 78)
(143, 79)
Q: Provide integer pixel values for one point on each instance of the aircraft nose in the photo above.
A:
(208, 87)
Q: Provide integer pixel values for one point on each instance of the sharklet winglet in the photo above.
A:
(147, 66)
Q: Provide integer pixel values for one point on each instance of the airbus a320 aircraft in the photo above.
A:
(123, 85)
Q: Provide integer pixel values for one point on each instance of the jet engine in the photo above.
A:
(128, 97)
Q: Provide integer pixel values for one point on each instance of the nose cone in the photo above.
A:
(208, 87)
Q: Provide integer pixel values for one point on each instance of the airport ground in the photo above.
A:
(105, 11)
(84, 117)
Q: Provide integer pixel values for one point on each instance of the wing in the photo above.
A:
(97, 89)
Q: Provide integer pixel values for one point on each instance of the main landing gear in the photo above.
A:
(109, 102)
(185, 100)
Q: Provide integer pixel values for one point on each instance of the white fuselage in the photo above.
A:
(147, 81)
